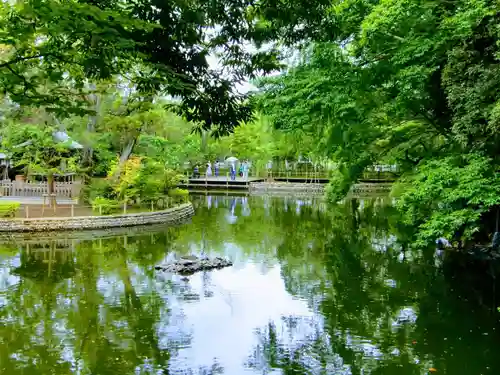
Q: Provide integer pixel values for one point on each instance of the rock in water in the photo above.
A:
(186, 262)
(190, 266)
(189, 257)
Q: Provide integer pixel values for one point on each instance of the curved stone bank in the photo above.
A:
(170, 216)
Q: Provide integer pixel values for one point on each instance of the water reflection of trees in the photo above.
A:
(97, 309)
(82, 308)
(382, 314)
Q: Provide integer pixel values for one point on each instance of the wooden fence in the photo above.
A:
(38, 189)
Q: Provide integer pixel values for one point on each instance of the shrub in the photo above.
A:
(98, 187)
(179, 195)
(448, 197)
(104, 205)
(9, 209)
(140, 180)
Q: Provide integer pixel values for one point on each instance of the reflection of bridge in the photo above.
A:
(231, 202)
(367, 189)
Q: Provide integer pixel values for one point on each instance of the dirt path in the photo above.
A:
(38, 211)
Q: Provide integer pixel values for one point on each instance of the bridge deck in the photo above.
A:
(223, 180)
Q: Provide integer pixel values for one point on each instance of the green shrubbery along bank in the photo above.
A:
(9, 209)
(140, 181)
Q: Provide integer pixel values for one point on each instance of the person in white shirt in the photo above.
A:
(209, 169)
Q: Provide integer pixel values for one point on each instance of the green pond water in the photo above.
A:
(314, 290)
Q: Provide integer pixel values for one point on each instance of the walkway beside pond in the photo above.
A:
(36, 200)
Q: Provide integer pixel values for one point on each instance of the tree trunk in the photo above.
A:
(51, 190)
(124, 156)
(204, 141)
(88, 152)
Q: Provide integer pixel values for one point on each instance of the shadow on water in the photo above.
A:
(315, 289)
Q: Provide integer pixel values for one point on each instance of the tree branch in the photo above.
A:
(19, 59)
(26, 83)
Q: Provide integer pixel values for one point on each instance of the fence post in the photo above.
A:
(152, 206)
(27, 212)
(72, 210)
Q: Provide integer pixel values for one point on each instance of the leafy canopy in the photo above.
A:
(159, 47)
(397, 81)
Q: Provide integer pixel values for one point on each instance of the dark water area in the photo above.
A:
(314, 289)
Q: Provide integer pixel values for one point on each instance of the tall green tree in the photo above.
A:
(402, 81)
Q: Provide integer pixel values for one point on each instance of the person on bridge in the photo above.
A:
(216, 168)
(196, 171)
(209, 169)
(232, 169)
(269, 167)
(245, 169)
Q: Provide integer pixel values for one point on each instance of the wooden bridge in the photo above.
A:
(370, 184)
(219, 183)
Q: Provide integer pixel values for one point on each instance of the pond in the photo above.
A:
(314, 289)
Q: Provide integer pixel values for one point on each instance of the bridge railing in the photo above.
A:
(64, 189)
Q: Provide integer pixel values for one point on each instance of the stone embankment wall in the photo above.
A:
(365, 188)
(170, 216)
(286, 187)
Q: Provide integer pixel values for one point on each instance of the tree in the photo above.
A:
(391, 81)
(159, 47)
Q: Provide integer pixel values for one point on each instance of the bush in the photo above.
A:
(9, 209)
(338, 187)
(179, 196)
(448, 197)
(141, 180)
(104, 205)
(98, 188)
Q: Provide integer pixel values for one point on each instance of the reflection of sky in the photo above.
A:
(7, 280)
(216, 316)
(223, 326)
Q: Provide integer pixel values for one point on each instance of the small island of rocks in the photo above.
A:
(189, 265)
